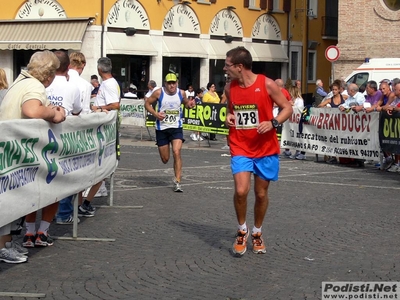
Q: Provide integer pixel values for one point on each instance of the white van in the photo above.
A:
(375, 69)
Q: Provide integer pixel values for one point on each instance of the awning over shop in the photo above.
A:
(268, 52)
(42, 34)
(219, 48)
(183, 47)
(138, 44)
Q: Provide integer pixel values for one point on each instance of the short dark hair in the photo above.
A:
(209, 85)
(94, 77)
(64, 60)
(199, 91)
(373, 85)
(240, 55)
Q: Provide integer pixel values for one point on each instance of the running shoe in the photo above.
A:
(17, 247)
(28, 241)
(240, 245)
(177, 186)
(67, 221)
(300, 157)
(258, 243)
(43, 240)
(86, 211)
(394, 168)
(11, 256)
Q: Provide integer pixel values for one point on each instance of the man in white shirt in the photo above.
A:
(132, 92)
(152, 86)
(61, 92)
(64, 92)
(77, 63)
(108, 98)
(355, 98)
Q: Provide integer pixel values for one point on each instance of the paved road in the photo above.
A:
(324, 223)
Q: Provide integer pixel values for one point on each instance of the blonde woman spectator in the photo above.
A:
(297, 101)
(26, 99)
(3, 84)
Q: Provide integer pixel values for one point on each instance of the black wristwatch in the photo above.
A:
(275, 123)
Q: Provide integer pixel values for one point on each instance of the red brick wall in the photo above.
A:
(367, 28)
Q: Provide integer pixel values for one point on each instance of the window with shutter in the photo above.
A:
(270, 5)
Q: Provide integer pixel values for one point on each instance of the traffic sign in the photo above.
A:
(332, 53)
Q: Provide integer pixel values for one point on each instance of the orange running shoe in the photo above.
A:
(258, 243)
(240, 244)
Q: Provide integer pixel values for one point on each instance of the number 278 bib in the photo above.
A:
(246, 116)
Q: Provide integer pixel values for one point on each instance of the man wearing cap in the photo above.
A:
(169, 122)
(132, 92)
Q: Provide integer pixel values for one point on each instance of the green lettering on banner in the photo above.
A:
(77, 142)
(110, 132)
(132, 108)
(17, 152)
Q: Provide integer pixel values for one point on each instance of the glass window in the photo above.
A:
(360, 79)
(311, 68)
(312, 8)
(276, 5)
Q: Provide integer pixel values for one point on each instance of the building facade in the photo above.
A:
(366, 30)
(146, 39)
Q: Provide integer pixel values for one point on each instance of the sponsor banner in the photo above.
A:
(42, 163)
(389, 132)
(133, 112)
(360, 290)
(330, 132)
(206, 117)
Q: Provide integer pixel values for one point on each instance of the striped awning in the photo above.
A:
(42, 34)
(268, 52)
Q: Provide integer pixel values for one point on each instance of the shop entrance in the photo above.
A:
(129, 69)
(187, 68)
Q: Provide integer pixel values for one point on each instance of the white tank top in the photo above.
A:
(171, 106)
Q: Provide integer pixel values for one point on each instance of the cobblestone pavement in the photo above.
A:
(325, 223)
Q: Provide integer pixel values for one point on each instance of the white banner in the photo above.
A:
(334, 133)
(42, 163)
(133, 112)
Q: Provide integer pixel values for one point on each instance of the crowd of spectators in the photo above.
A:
(51, 89)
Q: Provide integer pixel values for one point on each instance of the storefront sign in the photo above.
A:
(266, 28)
(38, 9)
(125, 13)
(28, 46)
(181, 18)
(226, 22)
